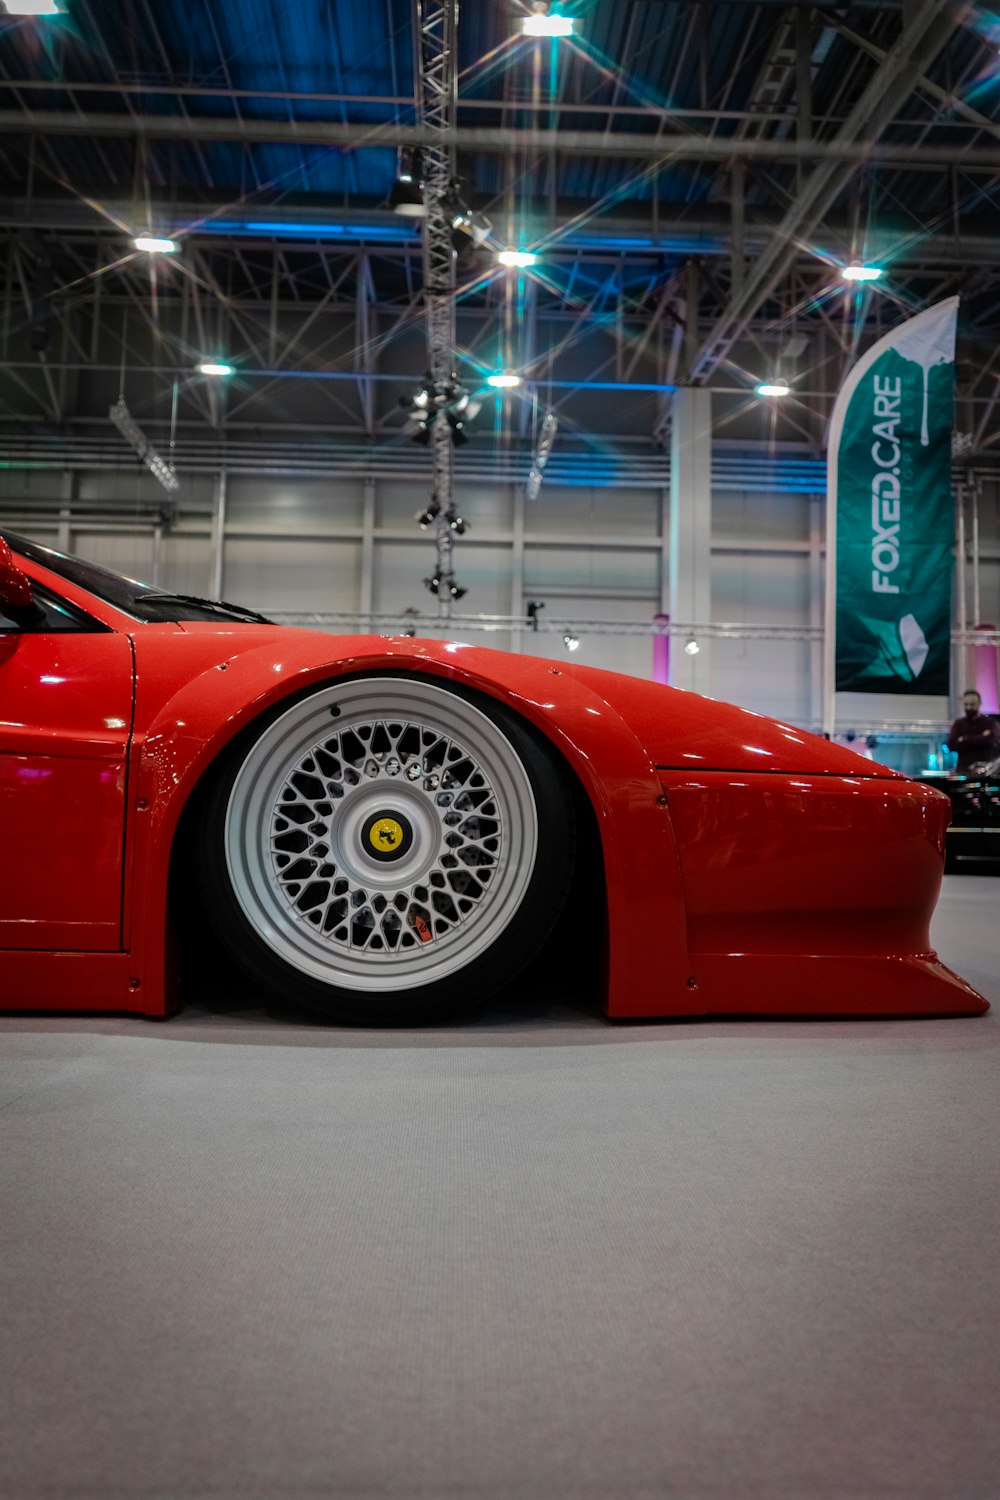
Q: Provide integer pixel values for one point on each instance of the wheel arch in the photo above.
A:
(612, 775)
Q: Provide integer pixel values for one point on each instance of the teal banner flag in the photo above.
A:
(889, 511)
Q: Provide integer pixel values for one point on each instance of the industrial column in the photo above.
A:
(690, 555)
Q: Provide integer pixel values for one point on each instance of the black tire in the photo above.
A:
(416, 862)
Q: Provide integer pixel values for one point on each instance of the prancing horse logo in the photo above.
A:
(387, 835)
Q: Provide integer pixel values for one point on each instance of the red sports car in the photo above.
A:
(387, 830)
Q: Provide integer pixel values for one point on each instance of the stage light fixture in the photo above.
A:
(517, 258)
(457, 523)
(506, 380)
(405, 197)
(154, 245)
(429, 514)
(691, 646)
(409, 165)
(477, 226)
(861, 273)
(773, 388)
(215, 367)
(571, 641)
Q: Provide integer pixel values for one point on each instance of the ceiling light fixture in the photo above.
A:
(571, 641)
(505, 381)
(691, 646)
(31, 7)
(775, 388)
(542, 24)
(861, 273)
(154, 245)
(518, 258)
(215, 367)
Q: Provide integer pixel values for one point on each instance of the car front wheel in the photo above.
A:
(387, 849)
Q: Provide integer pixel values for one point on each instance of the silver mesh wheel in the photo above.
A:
(381, 834)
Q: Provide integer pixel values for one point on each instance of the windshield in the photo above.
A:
(141, 600)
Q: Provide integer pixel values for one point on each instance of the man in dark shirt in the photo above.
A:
(972, 736)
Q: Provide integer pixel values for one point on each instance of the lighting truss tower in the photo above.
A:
(437, 75)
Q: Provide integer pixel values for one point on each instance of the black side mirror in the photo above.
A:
(16, 600)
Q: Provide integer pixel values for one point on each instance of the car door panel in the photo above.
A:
(65, 720)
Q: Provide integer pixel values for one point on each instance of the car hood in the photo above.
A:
(685, 731)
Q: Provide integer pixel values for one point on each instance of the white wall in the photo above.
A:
(350, 545)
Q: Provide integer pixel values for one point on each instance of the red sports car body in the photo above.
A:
(748, 867)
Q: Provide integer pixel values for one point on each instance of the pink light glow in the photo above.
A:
(984, 673)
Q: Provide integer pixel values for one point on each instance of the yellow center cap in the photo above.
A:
(385, 835)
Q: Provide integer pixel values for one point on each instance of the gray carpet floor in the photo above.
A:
(537, 1257)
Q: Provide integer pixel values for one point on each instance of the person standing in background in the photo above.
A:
(973, 736)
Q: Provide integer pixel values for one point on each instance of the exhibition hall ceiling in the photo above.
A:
(693, 178)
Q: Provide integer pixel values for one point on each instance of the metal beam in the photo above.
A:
(704, 229)
(929, 29)
(848, 146)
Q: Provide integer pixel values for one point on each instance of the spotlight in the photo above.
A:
(153, 245)
(456, 522)
(506, 380)
(409, 165)
(429, 515)
(457, 426)
(531, 610)
(214, 367)
(518, 258)
(861, 273)
(542, 24)
(456, 592)
(571, 641)
(477, 226)
(691, 646)
(405, 197)
(433, 583)
(777, 388)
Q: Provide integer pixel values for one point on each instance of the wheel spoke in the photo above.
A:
(381, 831)
(316, 799)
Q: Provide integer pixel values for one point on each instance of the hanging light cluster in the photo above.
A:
(448, 398)
(406, 198)
(448, 524)
(450, 517)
